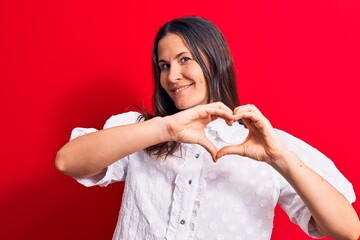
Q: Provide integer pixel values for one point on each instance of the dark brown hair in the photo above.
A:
(209, 48)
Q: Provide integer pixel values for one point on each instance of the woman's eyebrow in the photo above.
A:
(176, 56)
(161, 61)
(179, 54)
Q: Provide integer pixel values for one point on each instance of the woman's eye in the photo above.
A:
(185, 59)
(164, 66)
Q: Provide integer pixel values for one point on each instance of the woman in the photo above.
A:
(191, 170)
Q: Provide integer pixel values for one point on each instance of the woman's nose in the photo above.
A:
(174, 73)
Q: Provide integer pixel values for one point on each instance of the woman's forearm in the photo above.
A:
(90, 154)
(332, 214)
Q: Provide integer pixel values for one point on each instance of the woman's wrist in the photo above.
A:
(285, 161)
(165, 134)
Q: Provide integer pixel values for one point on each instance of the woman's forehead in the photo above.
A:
(171, 44)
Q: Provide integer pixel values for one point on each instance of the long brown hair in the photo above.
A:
(210, 49)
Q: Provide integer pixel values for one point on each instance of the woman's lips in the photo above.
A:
(177, 90)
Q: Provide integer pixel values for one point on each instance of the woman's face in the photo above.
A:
(180, 75)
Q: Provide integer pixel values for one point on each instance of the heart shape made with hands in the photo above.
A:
(261, 144)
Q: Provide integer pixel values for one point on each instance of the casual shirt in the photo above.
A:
(188, 196)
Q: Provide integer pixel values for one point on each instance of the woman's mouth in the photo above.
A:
(177, 90)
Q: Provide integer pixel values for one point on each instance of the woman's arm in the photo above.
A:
(332, 214)
(90, 154)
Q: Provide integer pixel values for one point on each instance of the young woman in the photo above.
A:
(203, 166)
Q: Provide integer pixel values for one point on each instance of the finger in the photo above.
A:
(225, 114)
(226, 108)
(210, 147)
(221, 106)
(232, 149)
(247, 108)
(248, 116)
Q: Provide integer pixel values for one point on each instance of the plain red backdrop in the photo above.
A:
(75, 63)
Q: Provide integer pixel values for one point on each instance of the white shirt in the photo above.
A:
(187, 196)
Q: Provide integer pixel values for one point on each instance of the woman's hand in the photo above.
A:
(188, 126)
(262, 143)
(332, 215)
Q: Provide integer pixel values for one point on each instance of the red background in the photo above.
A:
(75, 63)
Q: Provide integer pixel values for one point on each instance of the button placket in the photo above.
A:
(197, 155)
(186, 183)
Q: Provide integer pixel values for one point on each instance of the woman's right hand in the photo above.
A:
(188, 126)
(91, 153)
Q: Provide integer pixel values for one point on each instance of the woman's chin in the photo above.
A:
(181, 107)
(184, 106)
(187, 105)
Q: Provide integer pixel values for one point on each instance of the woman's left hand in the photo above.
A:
(262, 143)
(331, 213)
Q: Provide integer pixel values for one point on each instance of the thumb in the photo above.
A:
(210, 147)
(232, 149)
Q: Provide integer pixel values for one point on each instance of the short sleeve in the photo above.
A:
(289, 200)
(117, 170)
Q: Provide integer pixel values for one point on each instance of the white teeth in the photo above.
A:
(182, 88)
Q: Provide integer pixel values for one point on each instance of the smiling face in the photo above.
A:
(180, 75)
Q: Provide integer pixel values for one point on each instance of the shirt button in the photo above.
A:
(182, 222)
(190, 181)
(197, 155)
